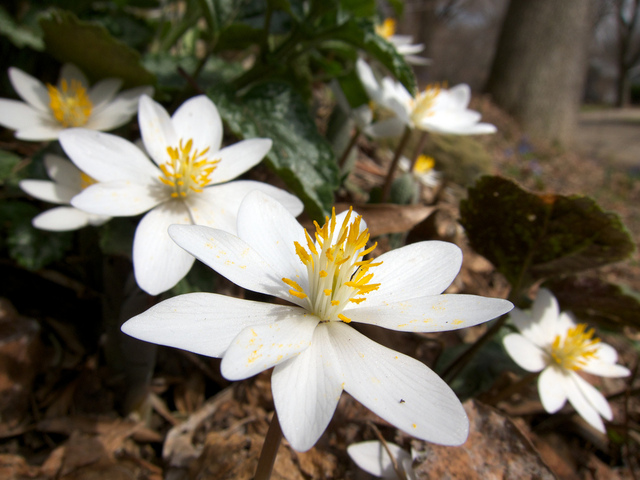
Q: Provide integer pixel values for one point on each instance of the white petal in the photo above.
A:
(47, 191)
(159, 263)
(410, 49)
(157, 129)
(240, 157)
(260, 347)
(203, 323)
(306, 390)
(524, 352)
(399, 389)
(217, 206)
(606, 353)
(593, 396)
(102, 92)
(368, 80)
(107, 157)
(271, 230)
(117, 199)
(553, 388)
(415, 270)
(198, 119)
(30, 89)
(372, 457)
(577, 395)
(532, 330)
(459, 96)
(118, 111)
(23, 117)
(230, 256)
(434, 313)
(604, 369)
(63, 172)
(61, 219)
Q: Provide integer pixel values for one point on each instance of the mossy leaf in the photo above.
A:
(596, 301)
(529, 237)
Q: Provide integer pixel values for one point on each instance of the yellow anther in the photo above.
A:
(578, 346)
(387, 29)
(70, 104)
(343, 318)
(327, 291)
(322, 274)
(335, 302)
(86, 180)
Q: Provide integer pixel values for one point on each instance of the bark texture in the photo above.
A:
(540, 64)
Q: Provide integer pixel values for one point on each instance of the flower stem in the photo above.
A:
(269, 450)
(418, 150)
(347, 151)
(513, 388)
(386, 188)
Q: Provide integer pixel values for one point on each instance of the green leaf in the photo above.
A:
(92, 49)
(595, 301)
(30, 247)
(361, 33)
(20, 35)
(300, 155)
(8, 162)
(359, 8)
(530, 237)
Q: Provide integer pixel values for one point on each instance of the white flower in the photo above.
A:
(48, 110)
(315, 352)
(402, 42)
(372, 457)
(435, 109)
(67, 182)
(423, 170)
(363, 117)
(187, 182)
(552, 343)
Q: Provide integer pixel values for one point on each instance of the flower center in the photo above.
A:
(187, 171)
(387, 29)
(422, 104)
(577, 347)
(337, 272)
(70, 104)
(424, 164)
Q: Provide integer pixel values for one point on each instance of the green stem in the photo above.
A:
(513, 388)
(347, 151)
(386, 188)
(269, 450)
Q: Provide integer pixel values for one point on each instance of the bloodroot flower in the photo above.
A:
(66, 182)
(47, 110)
(373, 457)
(552, 343)
(330, 285)
(186, 182)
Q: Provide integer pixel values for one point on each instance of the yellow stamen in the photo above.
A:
(70, 103)
(423, 102)
(86, 180)
(387, 29)
(187, 171)
(576, 348)
(424, 164)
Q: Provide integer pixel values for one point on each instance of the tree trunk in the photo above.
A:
(540, 65)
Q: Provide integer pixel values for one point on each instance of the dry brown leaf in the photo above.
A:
(385, 218)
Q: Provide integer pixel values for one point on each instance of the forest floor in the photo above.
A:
(61, 411)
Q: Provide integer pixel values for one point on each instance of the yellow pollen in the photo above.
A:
(186, 170)
(424, 164)
(70, 103)
(337, 272)
(86, 180)
(574, 351)
(387, 29)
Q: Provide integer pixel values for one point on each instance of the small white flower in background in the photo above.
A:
(423, 170)
(434, 109)
(187, 181)
(372, 457)
(48, 110)
(67, 182)
(552, 343)
(328, 284)
(363, 117)
(402, 43)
